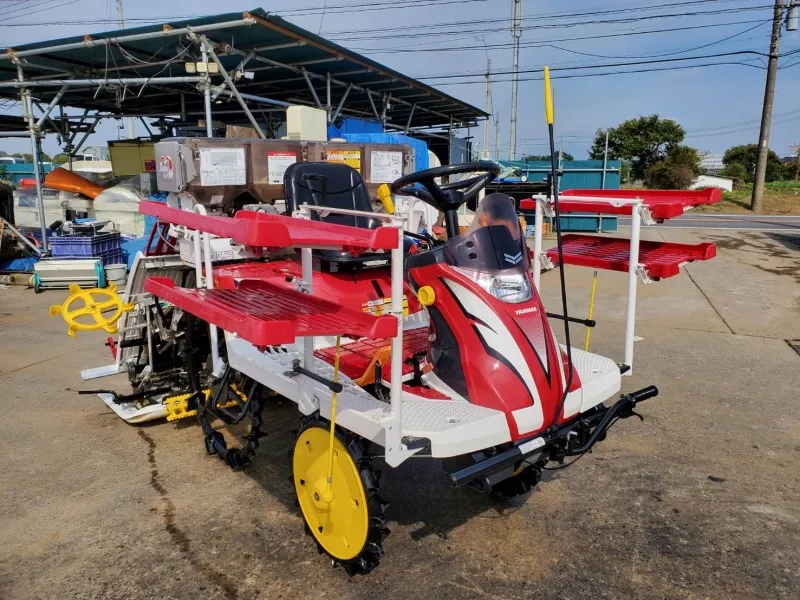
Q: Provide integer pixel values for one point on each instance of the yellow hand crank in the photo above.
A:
(94, 307)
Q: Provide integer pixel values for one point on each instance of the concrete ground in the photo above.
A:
(701, 500)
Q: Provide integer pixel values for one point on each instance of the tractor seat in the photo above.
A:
(334, 185)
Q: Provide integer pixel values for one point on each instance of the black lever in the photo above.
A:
(586, 322)
(334, 387)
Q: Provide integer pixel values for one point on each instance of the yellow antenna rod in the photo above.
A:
(327, 493)
(548, 96)
(591, 313)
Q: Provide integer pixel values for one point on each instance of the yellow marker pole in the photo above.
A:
(327, 495)
(548, 96)
(591, 313)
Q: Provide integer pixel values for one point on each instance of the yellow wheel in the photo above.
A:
(346, 520)
(85, 310)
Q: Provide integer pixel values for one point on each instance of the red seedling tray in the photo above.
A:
(660, 259)
(277, 231)
(269, 315)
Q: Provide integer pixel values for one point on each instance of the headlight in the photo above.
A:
(508, 287)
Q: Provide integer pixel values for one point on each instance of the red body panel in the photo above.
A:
(494, 352)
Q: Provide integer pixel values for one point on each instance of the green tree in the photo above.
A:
(642, 141)
(736, 171)
(676, 171)
(747, 156)
(60, 158)
(532, 157)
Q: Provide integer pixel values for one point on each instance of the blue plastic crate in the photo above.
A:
(84, 246)
(109, 257)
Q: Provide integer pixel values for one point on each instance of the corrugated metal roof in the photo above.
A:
(267, 36)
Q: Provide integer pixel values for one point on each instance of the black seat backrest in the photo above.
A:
(335, 185)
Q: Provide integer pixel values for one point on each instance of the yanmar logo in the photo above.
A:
(525, 311)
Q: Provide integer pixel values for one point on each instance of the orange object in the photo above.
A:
(66, 181)
(27, 183)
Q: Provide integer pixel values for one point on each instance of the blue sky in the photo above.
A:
(718, 106)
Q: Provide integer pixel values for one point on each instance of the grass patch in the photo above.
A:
(780, 198)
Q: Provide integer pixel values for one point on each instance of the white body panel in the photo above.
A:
(454, 427)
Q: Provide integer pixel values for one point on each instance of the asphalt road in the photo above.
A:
(715, 221)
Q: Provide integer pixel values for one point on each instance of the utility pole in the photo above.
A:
(121, 23)
(766, 113)
(516, 32)
(487, 108)
(497, 136)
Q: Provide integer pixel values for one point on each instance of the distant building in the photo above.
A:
(96, 152)
(712, 163)
(712, 181)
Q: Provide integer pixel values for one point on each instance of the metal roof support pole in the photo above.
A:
(162, 33)
(149, 131)
(264, 114)
(309, 75)
(410, 116)
(49, 120)
(341, 103)
(328, 95)
(245, 59)
(207, 93)
(311, 87)
(100, 81)
(27, 109)
(183, 107)
(372, 104)
(86, 135)
(78, 126)
(53, 103)
(450, 142)
(234, 91)
(387, 98)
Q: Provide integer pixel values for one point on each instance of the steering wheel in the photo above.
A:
(422, 184)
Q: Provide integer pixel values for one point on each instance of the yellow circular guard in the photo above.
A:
(426, 295)
(83, 310)
(338, 518)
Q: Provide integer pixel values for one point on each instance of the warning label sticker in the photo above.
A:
(351, 158)
(383, 305)
(222, 166)
(385, 167)
(277, 163)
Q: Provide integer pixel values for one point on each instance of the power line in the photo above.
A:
(609, 73)
(545, 17)
(538, 43)
(359, 34)
(609, 65)
(33, 12)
